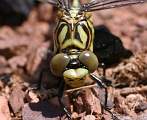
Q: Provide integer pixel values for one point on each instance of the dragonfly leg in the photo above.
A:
(60, 95)
(100, 83)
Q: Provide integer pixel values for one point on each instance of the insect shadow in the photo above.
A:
(108, 47)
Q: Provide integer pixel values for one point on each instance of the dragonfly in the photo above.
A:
(73, 57)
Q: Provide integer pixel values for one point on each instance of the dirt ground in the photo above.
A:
(24, 53)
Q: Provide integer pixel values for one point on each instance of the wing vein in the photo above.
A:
(107, 4)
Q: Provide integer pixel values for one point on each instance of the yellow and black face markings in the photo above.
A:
(75, 77)
(74, 33)
(83, 32)
(78, 82)
(78, 34)
(91, 30)
(84, 25)
(61, 32)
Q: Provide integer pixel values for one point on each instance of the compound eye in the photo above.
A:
(59, 63)
(89, 59)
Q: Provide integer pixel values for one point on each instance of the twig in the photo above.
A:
(127, 91)
(84, 87)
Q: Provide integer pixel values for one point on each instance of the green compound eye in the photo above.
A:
(59, 63)
(89, 59)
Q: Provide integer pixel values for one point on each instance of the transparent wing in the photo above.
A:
(65, 4)
(107, 4)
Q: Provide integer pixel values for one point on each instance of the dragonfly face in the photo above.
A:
(73, 46)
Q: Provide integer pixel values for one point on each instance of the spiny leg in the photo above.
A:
(102, 85)
(60, 95)
(103, 78)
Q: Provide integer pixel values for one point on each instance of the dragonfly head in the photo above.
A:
(63, 64)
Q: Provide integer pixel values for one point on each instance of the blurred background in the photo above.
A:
(26, 36)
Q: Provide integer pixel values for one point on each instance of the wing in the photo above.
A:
(94, 5)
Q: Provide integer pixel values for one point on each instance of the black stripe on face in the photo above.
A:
(86, 31)
(61, 24)
(59, 30)
(68, 35)
(77, 35)
(90, 35)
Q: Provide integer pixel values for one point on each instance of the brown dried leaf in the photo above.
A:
(16, 99)
(17, 61)
(4, 109)
(7, 42)
(89, 117)
(36, 57)
(142, 116)
(131, 71)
